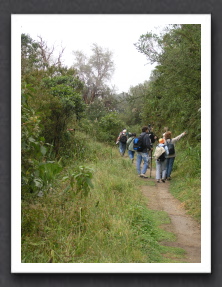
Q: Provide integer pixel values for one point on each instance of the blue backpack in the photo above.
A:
(138, 143)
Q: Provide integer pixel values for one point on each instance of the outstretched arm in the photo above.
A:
(178, 137)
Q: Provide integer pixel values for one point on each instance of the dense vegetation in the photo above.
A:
(174, 93)
(80, 200)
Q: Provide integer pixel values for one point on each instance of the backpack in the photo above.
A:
(171, 148)
(123, 138)
(129, 143)
(162, 157)
(151, 135)
(138, 143)
(160, 153)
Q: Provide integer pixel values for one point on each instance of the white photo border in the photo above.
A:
(205, 266)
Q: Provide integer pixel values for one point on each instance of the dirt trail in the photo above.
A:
(186, 229)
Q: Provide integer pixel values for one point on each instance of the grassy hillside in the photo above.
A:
(94, 212)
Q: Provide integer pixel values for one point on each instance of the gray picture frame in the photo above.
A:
(99, 6)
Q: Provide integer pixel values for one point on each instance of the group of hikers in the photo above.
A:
(142, 145)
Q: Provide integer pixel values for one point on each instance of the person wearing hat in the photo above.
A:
(121, 140)
(160, 154)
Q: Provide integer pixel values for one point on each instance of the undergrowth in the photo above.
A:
(94, 213)
(186, 179)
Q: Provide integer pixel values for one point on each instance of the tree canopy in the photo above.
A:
(174, 94)
(94, 71)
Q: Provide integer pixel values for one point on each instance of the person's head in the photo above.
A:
(161, 141)
(124, 130)
(133, 135)
(144, 129)
(150, 128)
(168, 135)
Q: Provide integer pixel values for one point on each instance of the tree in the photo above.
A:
(175, 91)
(30, 57)
(56, 89)
(95, 71)
(62, 105)
(37, 55)
(109, 127)
(136, 100)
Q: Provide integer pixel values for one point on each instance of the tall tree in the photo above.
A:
(30, 56)
(51, 90)
(37, 55)
(95, 71)
(175, 92)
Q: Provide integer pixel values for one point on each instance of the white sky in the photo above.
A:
(118, 33)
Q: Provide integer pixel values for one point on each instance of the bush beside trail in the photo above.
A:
(94, 213)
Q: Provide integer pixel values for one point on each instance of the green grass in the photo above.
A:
(186, 183)
(188, 192)
(110, 224)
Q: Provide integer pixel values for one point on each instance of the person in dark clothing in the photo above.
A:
(151, 134)
(153, 138)
(143, 155)
(121, 140)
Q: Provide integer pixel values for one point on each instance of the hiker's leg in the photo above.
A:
(133, 152)
(138, 162)
(164, 169)
(158, 169)
(167, 165)
(123, 148)
(145, 162)
(130, 153)
(170, 166)
(120, 147)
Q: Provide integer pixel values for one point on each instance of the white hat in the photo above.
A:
(124, 131)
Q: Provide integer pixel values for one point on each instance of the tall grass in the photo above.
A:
(109, 223)
(186, 183)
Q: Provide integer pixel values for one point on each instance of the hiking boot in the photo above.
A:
(163, 180)
(143, 176)
(132, 160)
(157, 181)
(169, 178)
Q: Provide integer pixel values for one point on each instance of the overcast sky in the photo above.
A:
(118, 33)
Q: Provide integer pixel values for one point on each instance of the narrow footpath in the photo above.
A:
(186, 229)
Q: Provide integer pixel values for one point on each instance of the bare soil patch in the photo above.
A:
(186, 229)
